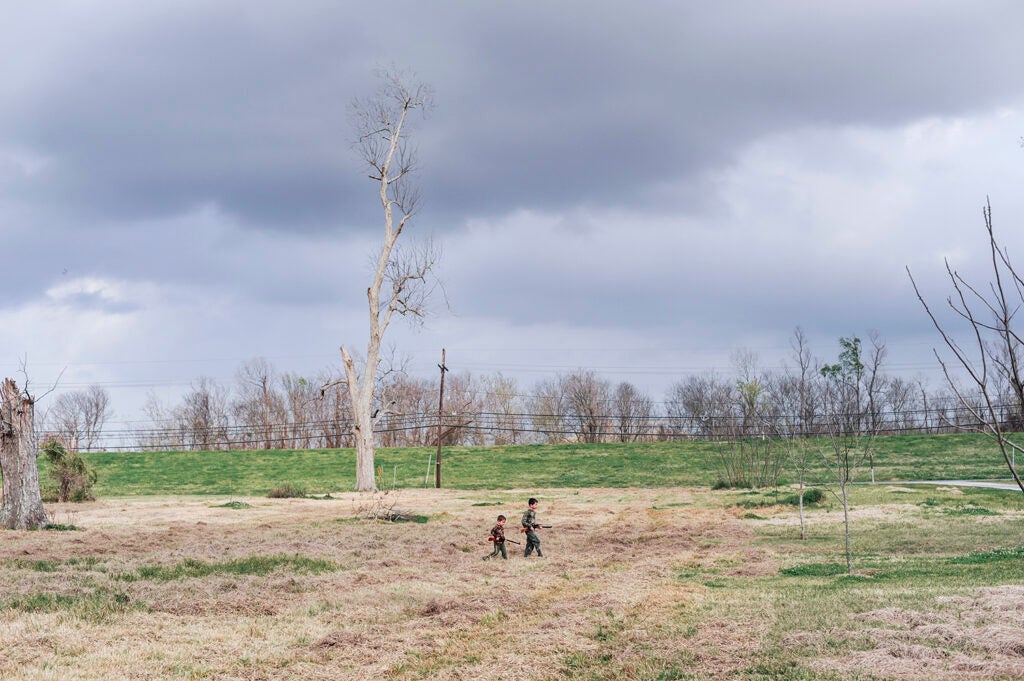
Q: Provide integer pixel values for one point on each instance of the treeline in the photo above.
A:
(267, 409)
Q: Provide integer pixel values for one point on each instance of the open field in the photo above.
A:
(649, 584)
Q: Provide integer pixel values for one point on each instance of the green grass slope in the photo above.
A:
(660, 464)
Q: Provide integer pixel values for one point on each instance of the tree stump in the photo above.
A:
(22, 504)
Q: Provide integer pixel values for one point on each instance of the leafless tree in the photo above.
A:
(700, 406)
(203, 416)
(411, 416)
(794, 394)
(547, 407)
(632, 412)
(874, 380)
(22, 504)
(807, 395)
(164, 433)
(461, 409)
(78, 417)
(900, 400)
(749, 455)
(400, 281)
(259, 407)
(994, 364)
(332, 412)
(299, 396)
(504, 406)
(587, 398)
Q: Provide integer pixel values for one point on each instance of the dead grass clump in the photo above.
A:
(1004, 598)
(910, 663)
(1002, 640)
(383, 506)
(755, 563)
(898, 617)
(913, 651)
(224, 604)
(435, 607)
(946, 634)
(341, 639)
(975, 637)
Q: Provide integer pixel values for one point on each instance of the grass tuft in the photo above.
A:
(969, 509)
(287, 491)
(96, 606)
(237, 505)
(814, 570)
(993, 556)
(254, 565)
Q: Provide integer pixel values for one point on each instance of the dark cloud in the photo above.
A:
(691, 175)
(244, 107)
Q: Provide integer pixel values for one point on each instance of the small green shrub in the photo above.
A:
(812, 496)
(287, 491)
(726, 484)
(969, 509)
(72, 476)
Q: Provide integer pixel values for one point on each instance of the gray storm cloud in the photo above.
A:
(717, 172)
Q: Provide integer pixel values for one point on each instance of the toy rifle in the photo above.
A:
(534, 527)
(510, 541)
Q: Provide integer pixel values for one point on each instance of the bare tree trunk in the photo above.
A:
(803, 523)
(846, 526)
(22, 506)
(361, 399)
(383, 145)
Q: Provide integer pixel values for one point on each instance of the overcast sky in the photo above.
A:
(641, 189)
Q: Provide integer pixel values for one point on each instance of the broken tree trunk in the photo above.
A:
(22, 504)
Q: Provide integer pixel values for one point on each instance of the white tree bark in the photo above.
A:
(381, 125)
(22, 504)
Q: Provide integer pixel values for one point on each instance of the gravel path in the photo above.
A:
(958, 483)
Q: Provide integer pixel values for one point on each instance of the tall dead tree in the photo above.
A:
(400, 280)
(995, 365)
(22, 505)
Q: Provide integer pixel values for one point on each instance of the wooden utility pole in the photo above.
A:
(440, 420)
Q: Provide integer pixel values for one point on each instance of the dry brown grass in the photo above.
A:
(409, 600)
(979, 637)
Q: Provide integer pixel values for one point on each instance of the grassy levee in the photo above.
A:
(651, 465)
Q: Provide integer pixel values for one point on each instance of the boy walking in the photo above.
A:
(498, 537)
(530, 527)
